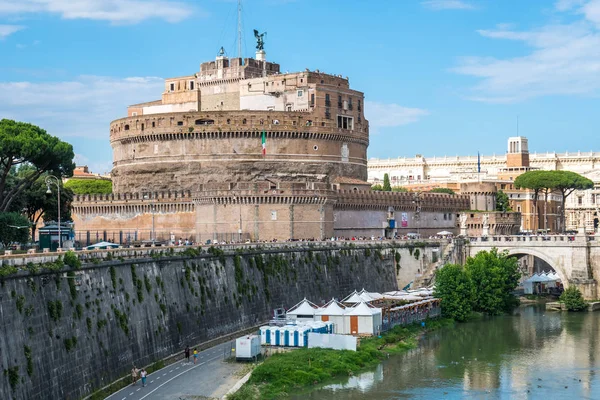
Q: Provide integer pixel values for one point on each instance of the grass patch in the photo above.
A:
(285, 373)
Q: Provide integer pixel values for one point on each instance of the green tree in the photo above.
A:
(566, 182)
(26, 144)
(532, 180)
(386, 183)
(494, 277)
(573, 299)
(442, 190)
(502, 203)
(89, 186)
(13, 228)
(453, 287)
(36, 204)
(399, 189)
(377, 187)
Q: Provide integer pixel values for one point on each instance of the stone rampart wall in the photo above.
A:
(63, 335)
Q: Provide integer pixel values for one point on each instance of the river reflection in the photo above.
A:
(532, 354)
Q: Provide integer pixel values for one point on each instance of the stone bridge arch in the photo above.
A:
(556, 266)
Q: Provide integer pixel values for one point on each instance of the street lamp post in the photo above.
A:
(151, 198)
(52, 180)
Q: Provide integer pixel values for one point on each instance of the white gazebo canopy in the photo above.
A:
(333, 307)
(305, 307)
(353, 298)
(362, 309)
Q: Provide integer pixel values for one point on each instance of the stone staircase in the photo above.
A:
(428, 276)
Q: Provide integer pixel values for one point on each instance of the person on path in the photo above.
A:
(143, 375)
(195, 356)
(134, 375)
(187, 353)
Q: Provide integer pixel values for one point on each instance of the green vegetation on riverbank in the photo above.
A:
(485, 284)
(283, 373)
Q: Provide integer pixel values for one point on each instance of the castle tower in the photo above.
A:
(518, 152)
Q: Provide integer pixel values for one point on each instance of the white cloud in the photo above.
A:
(115, 11)
(438, 5)
(6, 30)
(81, 107)
(381, 115)
(564, 60)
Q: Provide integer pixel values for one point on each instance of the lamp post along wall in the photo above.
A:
(51, 179)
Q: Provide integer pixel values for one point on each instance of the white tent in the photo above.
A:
(303, 311)
(334, 312)
(102, 246)
(365, 296)
(363, 318)
(547, 279)
(444, 233)
(352, 298)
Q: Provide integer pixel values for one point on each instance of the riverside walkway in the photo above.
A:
(209, 378)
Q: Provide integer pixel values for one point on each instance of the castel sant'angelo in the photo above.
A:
(241, 151)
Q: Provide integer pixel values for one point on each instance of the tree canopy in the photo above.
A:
(494, 277)
(453, 287)
(485, 284)
(13, 228)
(399, 189)
(502, 203)
(387, 187)
(564, 182)
(36, 204)
(377, 187)
(26, 144)
(89, 186)
(442, 190)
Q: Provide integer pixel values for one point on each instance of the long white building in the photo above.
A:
(420, 170)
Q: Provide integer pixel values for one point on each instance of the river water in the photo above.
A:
(532, 354)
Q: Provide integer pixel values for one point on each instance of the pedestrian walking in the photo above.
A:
(143, 375)
(187, 353)
(195, 356)
(134, 375)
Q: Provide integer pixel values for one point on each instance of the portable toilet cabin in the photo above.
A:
(333, 313)
(265, 335)
(274, 336)
(288, 335)
(364, 318)
(303, 311)
(302, 336)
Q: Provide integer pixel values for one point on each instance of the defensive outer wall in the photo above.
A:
(65, 333)
(261, 211)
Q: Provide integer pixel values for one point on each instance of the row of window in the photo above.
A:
(341, 103)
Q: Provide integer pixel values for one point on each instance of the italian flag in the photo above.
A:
(264, 143)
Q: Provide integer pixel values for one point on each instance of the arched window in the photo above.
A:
(205, 121)
(126, 127)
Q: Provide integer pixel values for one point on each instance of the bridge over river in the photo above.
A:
(575, 258)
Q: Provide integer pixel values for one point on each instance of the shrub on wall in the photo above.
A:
(89, 186)
(573, 299)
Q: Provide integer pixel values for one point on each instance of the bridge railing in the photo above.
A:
(525, 238)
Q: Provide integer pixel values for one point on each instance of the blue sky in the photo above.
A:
(441, 77)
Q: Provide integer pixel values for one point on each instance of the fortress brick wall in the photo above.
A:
(262, 211)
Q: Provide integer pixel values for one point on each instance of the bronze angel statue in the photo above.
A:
(260, 42)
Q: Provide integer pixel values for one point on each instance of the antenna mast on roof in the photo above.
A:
(239, 28)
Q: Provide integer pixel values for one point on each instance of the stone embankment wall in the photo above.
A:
(67, 332)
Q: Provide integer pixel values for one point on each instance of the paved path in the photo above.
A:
(209, 378)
